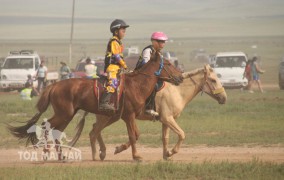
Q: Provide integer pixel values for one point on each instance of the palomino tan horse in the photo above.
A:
(170, 102)
(68, 96)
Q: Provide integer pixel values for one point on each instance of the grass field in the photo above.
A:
(159, 170)
(253, 119)
(245, 120)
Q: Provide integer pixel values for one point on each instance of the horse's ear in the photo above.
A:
(207, 68)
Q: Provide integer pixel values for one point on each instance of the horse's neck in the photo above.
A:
(145, 80)
(190, 87)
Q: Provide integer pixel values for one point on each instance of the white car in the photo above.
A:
(229, 67)
(17, 66)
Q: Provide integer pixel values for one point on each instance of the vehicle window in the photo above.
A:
(100, 68)
(234, 61)
(36, 63)
(18, 63)
(80, 67)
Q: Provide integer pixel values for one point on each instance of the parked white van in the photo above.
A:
(229, 67)
(17, 66)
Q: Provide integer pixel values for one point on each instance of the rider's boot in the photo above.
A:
(150, 105)
(152, 112)
(150, 108)
(104, 103)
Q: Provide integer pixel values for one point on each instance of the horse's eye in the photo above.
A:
(213, 80)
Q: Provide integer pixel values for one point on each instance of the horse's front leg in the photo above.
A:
(133, 135)
(165, 138)
(171, 123)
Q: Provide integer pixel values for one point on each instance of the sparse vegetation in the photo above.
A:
(247, 119)
(159, 170)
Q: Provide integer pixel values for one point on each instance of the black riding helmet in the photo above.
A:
(117, 24)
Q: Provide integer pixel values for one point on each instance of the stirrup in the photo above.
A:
(151, 112)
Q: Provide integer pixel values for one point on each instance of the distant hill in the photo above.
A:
(33, 19)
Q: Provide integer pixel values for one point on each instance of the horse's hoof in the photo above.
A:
(117, 150)
(138, 158)
(169, 154)
(168, 158)
(102, 155)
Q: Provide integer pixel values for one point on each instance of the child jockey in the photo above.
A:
(158, 42)
(113, 61)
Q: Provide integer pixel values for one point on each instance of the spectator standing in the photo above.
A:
(255, 69)
(64, 71)
(41, 76)
(248, 75)
(90, 69)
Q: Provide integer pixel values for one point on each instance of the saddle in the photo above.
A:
(100, 85)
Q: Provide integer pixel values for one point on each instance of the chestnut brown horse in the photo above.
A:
(170, 102)
(68, 96)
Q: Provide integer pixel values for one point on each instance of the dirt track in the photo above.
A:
(10, 157)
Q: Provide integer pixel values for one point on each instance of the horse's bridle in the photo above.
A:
(205, 82)
(171, 77)
(212, 90)
(157, 73)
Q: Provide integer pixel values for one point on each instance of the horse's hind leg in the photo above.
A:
(123, 147)
(101, 123)
(59, 122)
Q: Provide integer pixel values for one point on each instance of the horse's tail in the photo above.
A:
(79, 128)
(21, 131)
(44, 99)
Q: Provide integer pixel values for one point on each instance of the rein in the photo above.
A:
(158, 72)
(212, 90)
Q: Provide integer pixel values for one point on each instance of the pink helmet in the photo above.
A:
(159, 36)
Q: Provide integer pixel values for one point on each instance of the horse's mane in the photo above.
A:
(192, 73)
(137, 70)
